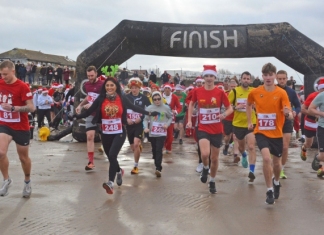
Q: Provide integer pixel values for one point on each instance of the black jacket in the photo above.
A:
(96, 107)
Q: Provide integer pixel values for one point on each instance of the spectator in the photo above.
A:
(17, 65)
(22, 72)
(28, 72)
(135, 74)
(176, 79)
(49, 74)
(66, 75)
(59, 74)
(33, 71)
(165, 77)
(152, 77)
(123, 78)
(42, 72)
(293, 82)
(145, 80)
(257, 82)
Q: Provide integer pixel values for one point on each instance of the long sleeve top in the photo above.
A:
(41, 101)
(293, 98)
(165, 117)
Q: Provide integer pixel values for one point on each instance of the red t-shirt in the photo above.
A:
(209, 104)
(310, 98)
(111, 115)
(15, 94)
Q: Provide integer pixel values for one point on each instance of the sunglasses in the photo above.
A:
(157, 99)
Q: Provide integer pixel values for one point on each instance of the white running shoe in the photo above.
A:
(5, 186)
(199, 167)
(145, 140)
(27, 190)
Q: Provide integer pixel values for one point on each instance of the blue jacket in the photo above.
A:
(295, 104)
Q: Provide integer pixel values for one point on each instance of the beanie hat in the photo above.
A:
(135, 82)
(156, 93)
(209, 70)
(320, 84)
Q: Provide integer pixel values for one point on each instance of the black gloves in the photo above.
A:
(154, 113)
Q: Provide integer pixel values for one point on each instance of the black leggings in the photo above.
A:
(41, 113)
(112, 145)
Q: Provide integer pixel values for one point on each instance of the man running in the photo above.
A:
(135, 120)
(16, 101)
(238, 97)
(272, 106)
(288, 126)
(210, 100)
(92, 88)
(316, 108)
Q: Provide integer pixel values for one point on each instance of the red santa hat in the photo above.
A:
(135, 82)
(320, 84)
(178, 87)
(199, 79)
(167, 85)
(55, 85)
(102, 78)
(209, 70)
(44, 91)
(190, 88)
(39, 88)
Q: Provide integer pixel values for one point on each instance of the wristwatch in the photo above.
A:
(12, 108)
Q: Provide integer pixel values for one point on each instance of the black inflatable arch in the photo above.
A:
(279, 40)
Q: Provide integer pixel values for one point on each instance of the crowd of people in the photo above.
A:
(237, 112)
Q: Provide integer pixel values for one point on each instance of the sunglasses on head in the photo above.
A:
(156, 99)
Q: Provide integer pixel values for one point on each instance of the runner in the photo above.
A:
(316, 108)
(135, 120)
(158, 129)
(16, 101)
(111, 112)
(173, 101)
(92, 88)
(288, 126)
(272, 106)
(210, 99)
(179, 118)
(310, 123)
(238, 97)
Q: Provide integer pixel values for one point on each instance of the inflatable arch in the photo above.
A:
(279, 40)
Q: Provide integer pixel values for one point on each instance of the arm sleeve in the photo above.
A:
(295, 102)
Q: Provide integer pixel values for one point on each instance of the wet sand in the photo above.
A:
(68, 200)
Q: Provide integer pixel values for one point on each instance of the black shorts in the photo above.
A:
(309, 133)
(228, 127)
(214, 139)
(20, 137)
(320, 139)
(179, 119)
(133, 131)
(274, 145)
(288, 126)
(241, 132)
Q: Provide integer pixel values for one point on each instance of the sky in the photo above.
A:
(69, 27)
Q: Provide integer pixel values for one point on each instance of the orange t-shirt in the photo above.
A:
(269, 108)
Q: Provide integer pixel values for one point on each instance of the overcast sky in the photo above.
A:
(69, 27)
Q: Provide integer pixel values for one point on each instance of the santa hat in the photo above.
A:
(209, 70)
(167, 85)
(67, 86)
(55, 85)
(102, 78)
(190, 88)
(135, 82)
(199, 79)
(147, 89)
(39, 88)
(178, 87)
(320, 84)
(60, 86)
(153, 85)
(44, 91)
(156, 93)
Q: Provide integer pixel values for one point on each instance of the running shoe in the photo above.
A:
(320, 172)
(303, 153)
(316, 163)
(158, 173)
(204, 175)
(276, 189)
(100, 149)
(282, 175)
(270, 198)
(199, 168)
(251, 176)
(245, 163)
(302, 139)
(108, 187)
(5, 186)
(236, 159)
(180, 141)
(119, 179)
(145, 140)
(27, 190)
(90, 166)
(212, 187)
(134, 171)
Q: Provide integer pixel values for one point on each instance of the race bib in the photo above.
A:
(111, 126)
(157, 129)
(209, 116)
(133, 115)
(267, 121)
(241, 101)
(8, 116)
(91, 97)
